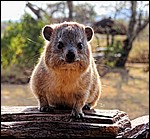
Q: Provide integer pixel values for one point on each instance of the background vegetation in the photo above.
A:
(22, 43)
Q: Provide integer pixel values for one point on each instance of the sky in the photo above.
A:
(17, 8)
(12, 10)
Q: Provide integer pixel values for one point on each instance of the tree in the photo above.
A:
(136, 25)
(53, 11)
(65, 11)
(84, 13)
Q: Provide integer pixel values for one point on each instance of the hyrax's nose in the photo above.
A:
(70, 56)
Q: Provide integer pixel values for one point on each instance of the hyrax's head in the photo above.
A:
(68, 46)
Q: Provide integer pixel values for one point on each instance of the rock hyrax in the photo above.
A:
(66, 73)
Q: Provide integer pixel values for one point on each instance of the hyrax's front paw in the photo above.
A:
(46, 109)
(77, 115)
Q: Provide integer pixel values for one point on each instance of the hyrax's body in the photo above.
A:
(66, 73)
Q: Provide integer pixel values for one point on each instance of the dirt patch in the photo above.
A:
(11, 79)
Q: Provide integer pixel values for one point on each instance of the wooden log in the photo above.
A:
(139, 128)
(27, 121)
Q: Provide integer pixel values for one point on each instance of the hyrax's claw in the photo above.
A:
(46, 109)
(80, 115)
(77, 115)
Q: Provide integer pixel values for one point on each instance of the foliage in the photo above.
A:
(113, 53)
(21, 42)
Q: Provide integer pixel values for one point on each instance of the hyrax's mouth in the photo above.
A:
(62, 64)
(69, 60)
(69, 64)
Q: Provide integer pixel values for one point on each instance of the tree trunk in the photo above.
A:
(107, 36)
(107, 39)
(127, 44)
(112, 39)
(70, 7)
(126, 50)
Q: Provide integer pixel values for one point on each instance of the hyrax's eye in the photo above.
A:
(60, 45)
(80, 45)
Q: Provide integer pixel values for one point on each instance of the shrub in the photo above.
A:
(22, 43)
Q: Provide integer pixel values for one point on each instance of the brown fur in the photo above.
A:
(58, 83)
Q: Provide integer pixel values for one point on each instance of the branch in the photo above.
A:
(140, 28)
(56, 7)
(35, 11)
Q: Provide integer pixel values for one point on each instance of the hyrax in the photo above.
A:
(66, 74)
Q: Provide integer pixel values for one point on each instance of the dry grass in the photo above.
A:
(128, 92)
(140, 51)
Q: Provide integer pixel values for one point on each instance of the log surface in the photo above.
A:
(27, 121)
(139, 128)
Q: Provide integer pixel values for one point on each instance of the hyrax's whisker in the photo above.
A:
(77, 59)
(62, 59)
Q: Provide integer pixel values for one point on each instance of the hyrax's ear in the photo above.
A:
(47, 32)
(89, 33)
